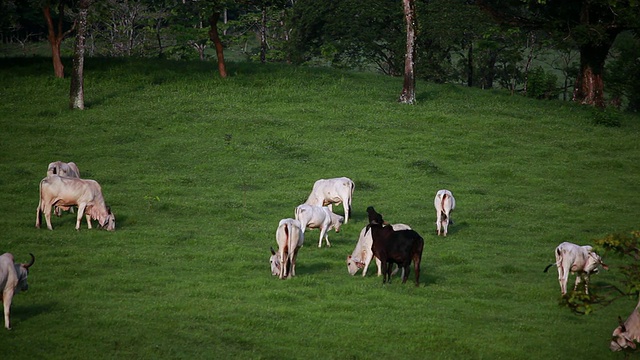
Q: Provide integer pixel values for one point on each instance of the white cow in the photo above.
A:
(61, 168)
(13, 279)
(65, 192)
(290, 238)
(581, 260)
(333, 191)
(362, 254)
(318, 217)
(444, 203)
(627, 333)
(69, 169)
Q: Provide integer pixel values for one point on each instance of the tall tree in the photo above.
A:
(215, 38)
(408, 95)
(76, 97)
(56, 34)
(592, 24)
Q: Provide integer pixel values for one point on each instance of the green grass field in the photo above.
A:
(199, 170)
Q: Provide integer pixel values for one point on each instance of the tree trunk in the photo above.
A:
(76, 97)
(55, 39)
(213, 35)
(470, 65)
(263, 36)
(408, 95)
(589, 89)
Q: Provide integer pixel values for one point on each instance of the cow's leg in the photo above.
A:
(7, 296)
(367, 261)
(416, 269)
(283, 264)
(578, 280)
(47, 215)
(438, 222)
(323, 234)
(81, 208)
(88, 217)
(586, 284)
(445, 224)
(562, 279)
(38, 218)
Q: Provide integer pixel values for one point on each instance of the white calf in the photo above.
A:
(444, 203)
(362, 254)
(581, 260)
(290, 238)
(333, 191)
(318, 217)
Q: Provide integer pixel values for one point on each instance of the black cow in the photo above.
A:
(395, 247)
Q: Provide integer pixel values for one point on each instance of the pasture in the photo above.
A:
(199, 170)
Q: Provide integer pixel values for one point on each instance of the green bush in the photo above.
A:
(542, 85)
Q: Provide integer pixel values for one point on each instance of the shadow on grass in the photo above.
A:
(22, 313)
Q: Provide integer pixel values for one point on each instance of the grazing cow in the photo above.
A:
(362, 254)
(444, 203)
(333, 191)
(65, 191)
(290, 238)
(13, 279)
(399, 247)
(69, 169)
(318, 217)
(627, 333)
(63, 169)
(581, 260)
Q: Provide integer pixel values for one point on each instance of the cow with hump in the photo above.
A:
(581, 260)
(63, 191)
(326, 192)
(61, 168)
(399, 247)
(318, 217)
(13, 279)
(362, 254)
(290, 238)
(444, 203)
(627, 334)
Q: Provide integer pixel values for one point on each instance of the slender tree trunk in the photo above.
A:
(76, 97)
(408, 95)
(55, 38)
(589, 87)
(213, 35)
(470, 65)
(263, 36)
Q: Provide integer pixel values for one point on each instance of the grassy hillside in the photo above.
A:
(199, 170)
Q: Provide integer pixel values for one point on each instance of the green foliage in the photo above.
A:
(608, 117)
(626, 245)
(623, 72)
(199, 170)
(542, 84)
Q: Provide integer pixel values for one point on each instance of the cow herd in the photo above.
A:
(60, 190)
(389, 244)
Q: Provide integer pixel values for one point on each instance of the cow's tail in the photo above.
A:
(444, 213)
(557, 263)
(40, 207)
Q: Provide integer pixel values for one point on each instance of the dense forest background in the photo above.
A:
(534, 48)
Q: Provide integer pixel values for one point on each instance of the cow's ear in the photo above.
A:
(272, 251)
(632, 344)
(109, 210)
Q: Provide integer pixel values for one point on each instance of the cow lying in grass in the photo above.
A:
(399, 247)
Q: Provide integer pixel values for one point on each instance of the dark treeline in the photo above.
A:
(568, 51)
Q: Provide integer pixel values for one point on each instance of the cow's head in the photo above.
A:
(353, 265)
(22, 270)
(620, 339)
(593, 262)
(337, 224)
(109, 221)
(275, 263)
